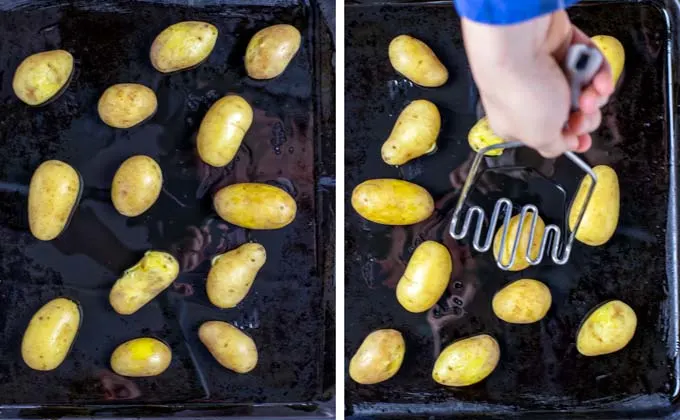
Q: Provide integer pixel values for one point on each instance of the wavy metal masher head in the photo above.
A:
(581, 64)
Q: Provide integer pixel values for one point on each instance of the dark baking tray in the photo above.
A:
(289, 144)
(540, 373)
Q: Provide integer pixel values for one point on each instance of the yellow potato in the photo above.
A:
(481, 135)
(522, 302)
(255, 206)
(607, 329)
(141, 357)
(426, 277)
(613, 52)
(182, 46)
(378, 358)
(270, 51)
(126, 104)
(467, 361)
(50, 334)
(414, 134)
(231, 347)
(222, 130)
(602, 214)
(392, 202)
(520, 262)
(43, 76)
(233, 273)
(136, 185)
(414, 59)
(143, 282)
(52, 198)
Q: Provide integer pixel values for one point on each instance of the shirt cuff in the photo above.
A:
(506, 12)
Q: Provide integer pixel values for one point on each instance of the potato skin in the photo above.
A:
(602, 214)
(231, 347)
(613, 52)
(233, 273)
(392, 202)
(143, 282)
(50, 334)
(182, 46)
(520, 262)
(255, 206)
(416, 61)
(607, 329)
(467, 361)
(414, 134)
(481, 135)
(378, 358)
(136, 185)
(125, 105)
(42, 76)
(426, 277)
(270, 51)
(53, 196)
(222, 130)
(141, 357)
(522, 302)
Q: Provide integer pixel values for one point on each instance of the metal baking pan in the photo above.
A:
(540, 373)
(289, 144)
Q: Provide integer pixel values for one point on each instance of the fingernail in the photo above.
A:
(572, 143)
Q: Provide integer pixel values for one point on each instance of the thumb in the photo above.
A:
(559, 36)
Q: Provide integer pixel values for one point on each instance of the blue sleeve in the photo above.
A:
(505, 12)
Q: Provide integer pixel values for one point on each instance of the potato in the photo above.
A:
(392, 202)
(606, 329)
(467, 361)
(222, 130)
(270, 51)
(182, 46)
(520, 262)
(481, 135)
(136, 185)
(416, 61)
(522, 302)
(141, 357)
(43, 76)
(53, 196)
(231, 347)
(379, 357)
(426, 277)
(233, 273)
(255, 206)
(143, 282)
(50, 334)
(414, 134)
(613, 52)
(602, 214)
(126, 104)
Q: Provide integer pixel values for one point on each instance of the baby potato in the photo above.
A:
(602, 214)
(141, 357)
(416, 61)
(520, 262)
(414, 134)
(233, 273)
(467, 361)
(606, 329)
(126, 104)
(270, 51)
(182, 46)
(481, 135)
(50, 334)
(379, 357)
(613, 52)
(522, 302)
(427, 274)
(136, 185)
(222, 130)
(255, 206)
(143, 282)
(392, 202)
(53, 196)
(43, 76)
(231, 347)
